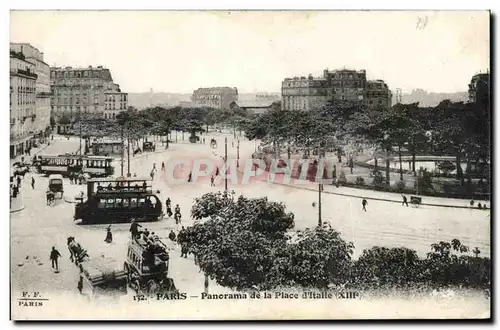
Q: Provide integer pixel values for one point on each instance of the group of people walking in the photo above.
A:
(177, 211)
(76, 178)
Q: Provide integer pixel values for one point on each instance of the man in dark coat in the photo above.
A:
(54, 255)
(134, 229)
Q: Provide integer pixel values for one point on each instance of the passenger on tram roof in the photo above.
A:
(144, 185)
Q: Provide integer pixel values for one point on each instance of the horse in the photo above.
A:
(51, 199)
(77, 253)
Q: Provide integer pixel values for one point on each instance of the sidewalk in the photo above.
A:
(17, 203)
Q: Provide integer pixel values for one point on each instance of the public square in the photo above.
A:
(38, 227)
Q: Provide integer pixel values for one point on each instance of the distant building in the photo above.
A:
(377, 94)
(114, 102)
(252, 106)
(41, 125)
(479, 89)
(350, 85)
(22, 103)
(215, 97)
(78, 91)
(267, 97)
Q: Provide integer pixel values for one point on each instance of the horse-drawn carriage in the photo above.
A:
(415, 200)
(55, 188)
(148, 146)
(102, 276)
(146, 266)
(98, 275)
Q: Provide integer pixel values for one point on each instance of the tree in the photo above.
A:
(64, 120)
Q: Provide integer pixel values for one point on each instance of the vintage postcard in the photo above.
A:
(250, 165)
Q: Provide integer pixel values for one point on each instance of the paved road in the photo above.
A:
(37, 228)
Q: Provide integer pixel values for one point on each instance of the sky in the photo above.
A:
(181, 51)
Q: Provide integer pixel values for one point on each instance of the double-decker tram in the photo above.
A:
(66, 164)
(118, 200)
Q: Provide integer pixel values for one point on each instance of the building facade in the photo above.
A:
(301, 93)
(77, 91)
(215, 97)
(114, 103)
(377, 94)
(41, 125)
(479, 89)
(22, 103)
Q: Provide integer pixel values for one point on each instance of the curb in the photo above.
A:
(371, 198)
(18, 210)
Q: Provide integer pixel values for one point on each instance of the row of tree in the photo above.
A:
(459, 129)
(156, 121)
(246, 244)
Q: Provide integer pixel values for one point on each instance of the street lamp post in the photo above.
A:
(121, 163)
(320, 186)
(238, 154)
(225, 164)
(80, 120)
(128, 155)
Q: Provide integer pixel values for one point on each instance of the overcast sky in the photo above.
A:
(254, 51)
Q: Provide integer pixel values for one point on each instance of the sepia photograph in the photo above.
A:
(250, 165)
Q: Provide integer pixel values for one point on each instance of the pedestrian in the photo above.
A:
(217, 171)
(314, 204)
(334, 172)
(168, 202)
(364, 203)
(190, 176)
(212, 181)
(54, 255)
(405, 200)
(162, 166)
(472, 203)
(203, 140)
(134, 229)
(109, 235)
(171, 236)
(80, 284)
(33, 182)
(152, 174)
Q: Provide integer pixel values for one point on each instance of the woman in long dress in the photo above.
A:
(109, 235)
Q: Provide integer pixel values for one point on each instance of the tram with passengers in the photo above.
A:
(118, 200)
(94, 166)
